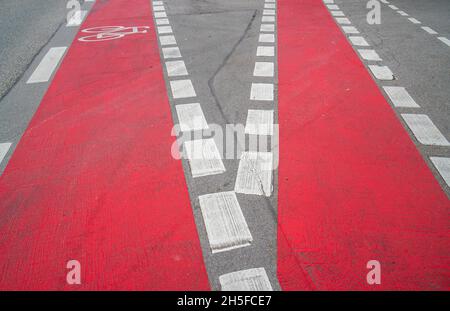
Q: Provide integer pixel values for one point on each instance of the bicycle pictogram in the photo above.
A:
(105, 33)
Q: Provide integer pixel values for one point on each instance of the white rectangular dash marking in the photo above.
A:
(332, 7)
(358, 41)
(267, 27)
(337, 13)
(400, 97)
(160, 14)
(343, 20)
(369, 55)
(381, 72)
(182, 89)
(424, 129)
(255, 279)
(254, 174)
(191, 117)
(167, 40)
(328, 1)
(414, 21)
(265, 51)
(77, 18)
(445, 40)
(162, 21)
(350, 29)
(269, 5)
(48, 64)
(259, 122)
(267, 18)
(429, 30)
(268, 12)
(4, 148)
(443, 166)
(261, 91)
(164, 29)
(267, 37)
(171, 52)
(402, 13)
(385, 1)
(176, 68)
(204, 157)
(157, 3)
(393, 7)
(263, 69)
(158, 8)
(224, 221)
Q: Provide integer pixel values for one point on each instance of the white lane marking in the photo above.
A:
(270, 0)
(171, 52)
(350, 29)
(4, 148)
(414, 21)
(343, 20)
(445, 40)
(371, 55)
(90, 0)
(402, 13)
(160, 14)
(267, 37)
(337, 13)
(268, 12)
(158, 8)
(162, 21)
(381, 72)
(328, 1)
(76, 19)
(393, 7)
(259, 122)
(443, 166)
(429, 30)
(167, 40)
(400, 97)
(176, 68)
(265, 51)
(261, 91)
(424, 129)
(157, 3)
(263, 69)
(359, 41)
(164, 29)
(269, 5)
(48, 64)
(268, 18)
(267, 27)
(254, 174)
(224, 221)
(385, 1)
(182, 89)
(332, 7)
(246, 280)
(191, 117)
(204, 157)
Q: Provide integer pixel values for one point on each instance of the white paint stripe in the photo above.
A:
(4, 148)
(268, 18)
(259, 122)
(270, 0)
(429, 30)
(157, 3)
(328, 1)
(176, 68)
(162, 21)
(160, 14)
(167, 40)
(445, 40)
(263, 69)
(424, 129)
(224, 221)
(171, 52)
(402, 13)
(158, 8)
(400, 97)
(265, 51)
(267, 37)
(268, 12)
(254, 174)
(90, 0)
(381, 72)
(246, 280)
(332, 7)
(359, 41)
(267, 27)
(204, 158)
(343, 20)
(350, 29)
(261, 91)
(393, 7)
(191, 117)
(414, 21)
(443, 167)
(269, 5)
(385, 1)
(164, 29)
(371, 55)
(182, 89)
(337, 13)
(48, 64)
(76, 19)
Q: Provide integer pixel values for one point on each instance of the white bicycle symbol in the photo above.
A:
(105, 33)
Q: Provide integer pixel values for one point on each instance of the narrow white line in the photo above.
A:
(402, 13)
(337, 13)
(263, 69)
(267, 28)
(414, 21)
(160, 14)
(171, 52)
(182, 89)
(328, 1)
(48, 64)
(332, 7)
(429, 30)
(443, 166)
(158, 8)
(268, 12)
(167, 40)
(359, 41)
(393, 7)
(76, 19)
(204, 157)
(259, 122)
(267, 37)
(246, 280)
(268, 18)
(350, 29)
(265, 51)
(191, 117)
(424, 129)
(381, 72)
(343, 20)
(162, 21)
(270, 0)
(269, 5)
(254, 174)
(261, 91)
(224, 221)
(445, 40)
(164, 29)
(371, 55)
(157, 3)
(4, 148)
(90, 0)
(385, 1)
(176, 68)
(400, 97)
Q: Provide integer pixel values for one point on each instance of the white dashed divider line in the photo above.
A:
(424, 129)
(442, 165)
(47, 66)
(191, 117)
(445, 40)
(370, 55)
(402, 13)
(246, 280)
(393, 7)
(381, 72)
(77, 18)
(429, 30)
(4, 148)
(400, 97)
(414, 20)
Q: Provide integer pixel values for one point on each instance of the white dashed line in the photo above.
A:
(332, 7)
(171, 52)
(259, 122)
(4, 148)
(381, 72)
(443, 166)
(343, 20)
(414, 21)
(246, 280)
(328, 1)
(191, 117)
(76, 19)
(385, 1)
(164, 29)
(402, 13)
(369, 55)
(267, 37)
(269, 5)
(176, 68)
(337, 13)
(268, 18)
(400, 97)
(157, 3)
(162, 21)
(265, 51)
(358, 41)
(204, 157)
(268, 12)
(167, 40)
(160, 14)
(158, 8)
(263, 69)
(261, 91)
(182, 89)
(225, 224)
(429, 30)
(424, 129)
(254, 174)
(445, 40)
(48, 64)
(267, 27)
(393, 7)
(350, 29)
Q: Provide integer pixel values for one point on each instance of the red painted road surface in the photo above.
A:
(93, 178)
(352, 185)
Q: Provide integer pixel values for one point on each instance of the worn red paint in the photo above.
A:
(352, 185)
(93, 178)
